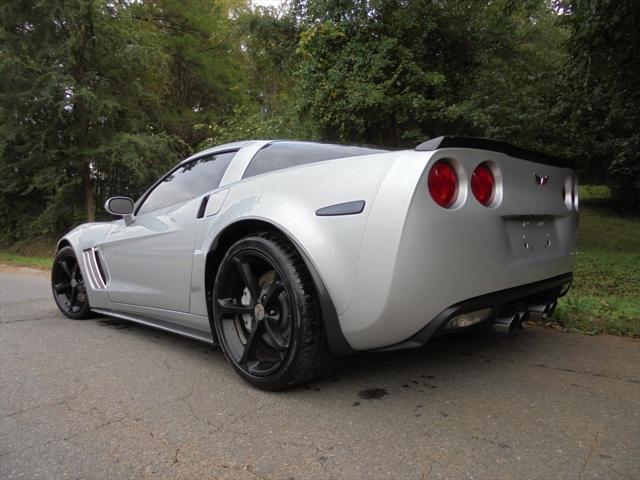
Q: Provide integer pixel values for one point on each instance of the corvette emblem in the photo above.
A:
(541, 181)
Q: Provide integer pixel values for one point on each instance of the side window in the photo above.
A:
(188, 181)
(285, 154)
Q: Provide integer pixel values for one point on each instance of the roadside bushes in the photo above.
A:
(624, 177)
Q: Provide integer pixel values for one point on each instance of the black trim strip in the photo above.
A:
(493, 146)
(347, 208)
(335, 338)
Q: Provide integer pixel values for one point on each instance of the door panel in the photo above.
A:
(149, 262)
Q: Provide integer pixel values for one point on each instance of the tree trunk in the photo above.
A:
(89, 196)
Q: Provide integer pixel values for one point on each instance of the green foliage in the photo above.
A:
(605, 296)
(593, 315)
(79, 100)
(624, 174)
(99, 97)
(245, 123)
(269, 40)
(518, 92)
(605, 40)
(394, 73)
(206, 80)
(382, 72)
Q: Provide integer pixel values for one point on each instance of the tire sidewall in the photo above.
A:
(289, 372)
(83, 313)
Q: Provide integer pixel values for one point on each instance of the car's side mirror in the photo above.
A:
(122, 206)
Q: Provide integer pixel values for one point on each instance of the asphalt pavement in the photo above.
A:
(108, 399)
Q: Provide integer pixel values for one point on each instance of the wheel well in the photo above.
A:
(63, 243)
(227, 238)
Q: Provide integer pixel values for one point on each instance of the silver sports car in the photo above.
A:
(291, 255)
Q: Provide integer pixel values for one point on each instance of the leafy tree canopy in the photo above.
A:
(98, 97)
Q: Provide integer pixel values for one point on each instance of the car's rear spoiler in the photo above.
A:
(491, 145)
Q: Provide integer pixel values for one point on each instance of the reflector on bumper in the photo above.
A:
(468, 319)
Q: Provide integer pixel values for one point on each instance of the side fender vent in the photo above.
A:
(96, 274)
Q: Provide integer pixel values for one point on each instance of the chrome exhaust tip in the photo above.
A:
(549, 309)
(542, 311)
(523, 320)
(537, 310)
(506, 323)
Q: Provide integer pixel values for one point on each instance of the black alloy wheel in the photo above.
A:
(69, 290)
(266, 314)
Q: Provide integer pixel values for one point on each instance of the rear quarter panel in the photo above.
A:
(289, 199)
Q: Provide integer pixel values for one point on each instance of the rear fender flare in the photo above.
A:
(240, 228)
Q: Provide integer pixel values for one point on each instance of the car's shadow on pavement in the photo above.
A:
(476, 352)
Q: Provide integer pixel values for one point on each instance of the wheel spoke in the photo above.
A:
(72, 298)
(61, 287)
(65, 268)
(74, 271)
(252, 343)
(227, 307)
(279, 342)
(247, 277)
(271, 290)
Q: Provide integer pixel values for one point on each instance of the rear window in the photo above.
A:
(279, 155)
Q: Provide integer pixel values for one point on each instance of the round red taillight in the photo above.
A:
(443, 184)
(483, 185)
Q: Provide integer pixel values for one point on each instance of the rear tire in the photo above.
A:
(68, 286)
(266, 314)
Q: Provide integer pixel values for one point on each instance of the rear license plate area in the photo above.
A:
(531, 236)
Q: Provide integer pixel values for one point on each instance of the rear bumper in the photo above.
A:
(545, 291)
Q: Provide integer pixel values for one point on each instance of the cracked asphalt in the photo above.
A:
(107, 399)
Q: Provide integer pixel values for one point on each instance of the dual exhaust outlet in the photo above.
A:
(516, 320)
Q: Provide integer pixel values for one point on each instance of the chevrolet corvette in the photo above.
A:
(292, 255)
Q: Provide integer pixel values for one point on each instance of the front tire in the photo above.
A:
(266, 314)
(69, 290)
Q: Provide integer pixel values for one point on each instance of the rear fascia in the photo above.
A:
(418, 258)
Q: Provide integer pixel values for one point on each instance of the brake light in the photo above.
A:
(443, 184)
(483, 184)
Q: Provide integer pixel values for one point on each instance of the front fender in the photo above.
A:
(81, 238)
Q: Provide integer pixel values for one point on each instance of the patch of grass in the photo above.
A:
(592, 315)
(605, 296)
(35, 247)
(43, 263)
(589, 193)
